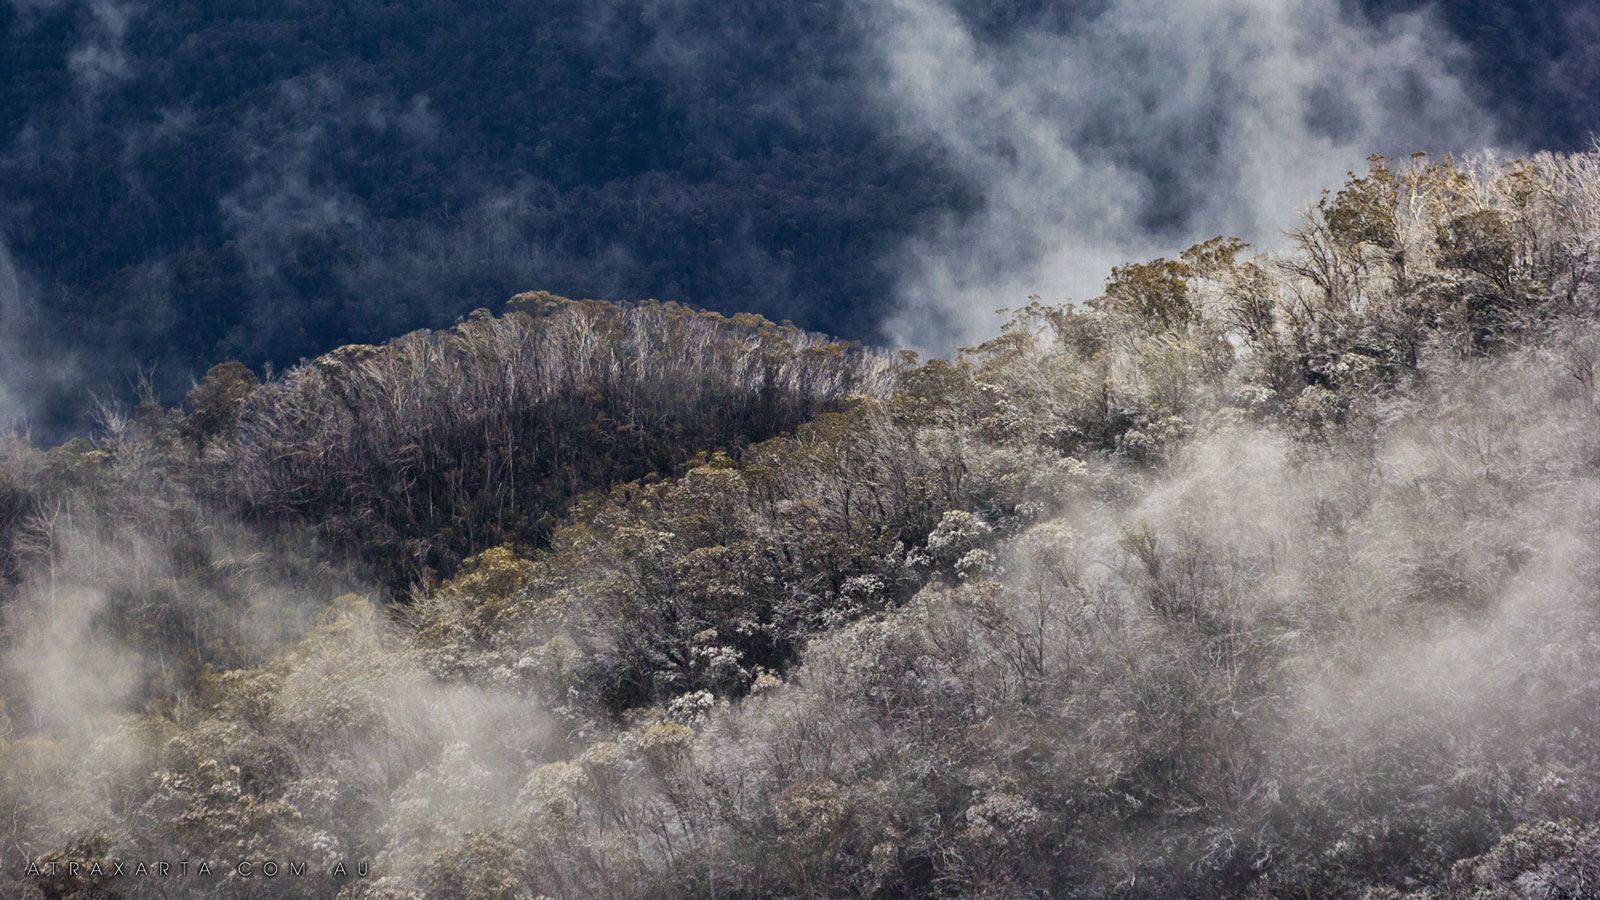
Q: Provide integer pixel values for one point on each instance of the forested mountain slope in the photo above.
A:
(398, 460)
(1257, 576)
(440, 445)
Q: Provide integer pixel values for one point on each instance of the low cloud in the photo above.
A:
(27, 372)
(1140, 130)
(100, 60)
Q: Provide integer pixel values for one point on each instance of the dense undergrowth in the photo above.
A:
(1257, 576)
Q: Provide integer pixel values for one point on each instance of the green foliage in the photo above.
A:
(811, 818)
(485, 866)
(1363, 211)
(1153, 294)
(215, 404)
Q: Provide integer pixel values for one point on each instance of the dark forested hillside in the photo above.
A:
(187, 182)
(387, 465)
(440, 445)
(1260, 575)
